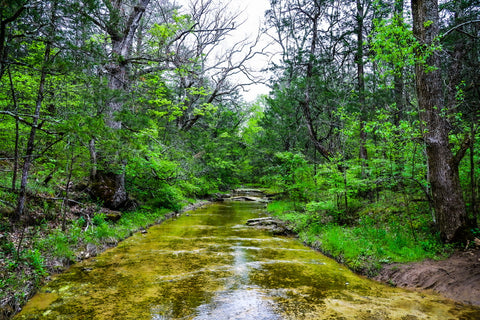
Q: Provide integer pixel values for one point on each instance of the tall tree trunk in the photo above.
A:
(17, 132)
(3, 36)
(399, 84)
(363, 155)
(305, 104)
(28, 159)
(442, 164)
(473, 183)
(109, 183)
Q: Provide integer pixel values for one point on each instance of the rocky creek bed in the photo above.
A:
(456, 277)
(227, 270)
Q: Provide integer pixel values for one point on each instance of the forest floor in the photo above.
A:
(456, 278)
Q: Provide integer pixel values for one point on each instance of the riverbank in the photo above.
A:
(456, 277)
(385, 250)
(47, 253)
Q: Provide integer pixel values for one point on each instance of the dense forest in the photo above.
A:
(113, 112)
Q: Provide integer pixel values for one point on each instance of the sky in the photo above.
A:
(252, 11)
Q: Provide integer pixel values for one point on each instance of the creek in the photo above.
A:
(208, 264)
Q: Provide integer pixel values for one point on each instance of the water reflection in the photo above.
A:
(209, 265)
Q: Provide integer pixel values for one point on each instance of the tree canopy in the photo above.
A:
(138, 102)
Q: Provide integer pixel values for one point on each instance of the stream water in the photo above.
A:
(208, 264)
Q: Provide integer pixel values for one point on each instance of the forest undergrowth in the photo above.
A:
(381, 234)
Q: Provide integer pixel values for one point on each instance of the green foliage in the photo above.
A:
(36, 261)
(58, 244)
(293, 175)
(394, 45)
(162, 33)
(378, 236)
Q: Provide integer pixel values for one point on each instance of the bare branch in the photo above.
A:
(459, 26)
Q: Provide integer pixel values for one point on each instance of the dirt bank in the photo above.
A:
(457, 277)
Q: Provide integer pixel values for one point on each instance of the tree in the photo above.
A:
(460, 34)
(8, 15)
(314, 66)
(121, 23)
(360, 16)
(442, 163)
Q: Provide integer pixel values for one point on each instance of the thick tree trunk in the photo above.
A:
(442, 164)
(108, 184)
(473, 183)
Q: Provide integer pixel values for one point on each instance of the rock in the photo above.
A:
(113, 216)
(278, 227)
(110, 189)
(266, 221)
(248, 198)
(219, 197)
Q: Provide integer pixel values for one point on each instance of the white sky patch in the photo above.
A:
(249, 25)
(253, 11)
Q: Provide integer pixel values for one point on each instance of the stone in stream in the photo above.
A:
(278, 227)
(248, 198)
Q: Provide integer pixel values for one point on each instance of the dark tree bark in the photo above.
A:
(399, 83)
(4, 22)
(305, 104)
(363, 155)
(17, 133)
(473, 184)
(447, 194)
(22, 197)
(108, 184)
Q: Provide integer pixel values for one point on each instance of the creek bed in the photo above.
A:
(210, 265)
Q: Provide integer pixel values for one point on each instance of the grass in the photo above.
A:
(65, 244)
(378, 236)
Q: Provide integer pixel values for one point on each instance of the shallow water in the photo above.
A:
(210, 265)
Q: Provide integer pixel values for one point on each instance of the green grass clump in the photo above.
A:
(374, 239)
(65, 245)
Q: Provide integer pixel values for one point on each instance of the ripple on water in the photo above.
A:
(242, 304)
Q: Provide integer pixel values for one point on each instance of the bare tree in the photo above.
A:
(218, 63)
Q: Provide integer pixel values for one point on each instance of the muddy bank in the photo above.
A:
(457, 277)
